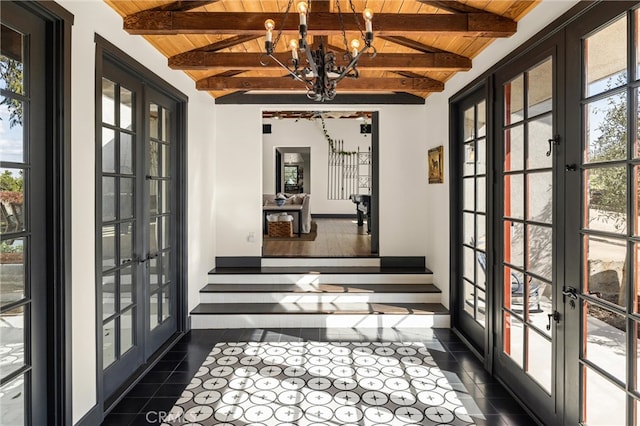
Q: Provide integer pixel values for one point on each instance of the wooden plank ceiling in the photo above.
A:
(420, 43)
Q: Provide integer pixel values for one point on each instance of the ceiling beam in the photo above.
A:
(283, 83)
(382, 61)
(220, 45)
(182, 6)
(168, 23)
(452, 6)
(411, 44)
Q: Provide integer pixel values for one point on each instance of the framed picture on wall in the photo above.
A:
(436, 165)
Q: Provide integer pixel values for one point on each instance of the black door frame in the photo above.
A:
(58, 23)
(105, 49)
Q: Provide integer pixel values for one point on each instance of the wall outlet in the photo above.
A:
(251, 237)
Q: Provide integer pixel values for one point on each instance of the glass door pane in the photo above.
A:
(526, 349)
(24, 283)
(471, 158)
(15, 234)
(528, 231)
(605, 306)
(160, 214)
(120, 250)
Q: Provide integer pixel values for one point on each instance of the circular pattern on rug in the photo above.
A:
(319, 398)
(206, 397)
(439, 414)
(234, 397)
(263, 397)
(291, 397)
(228, 413)
(295, 371)
(345, 384)
(320, 383)
(198, 413)
(403, 398)
(289, 414)
(349, 414)
(293, 383)
(258, 413)
(374, 398)
(379, 414)
(318, 413)
(215, 383)
(347, 398)
(343, 371)
(409, 415)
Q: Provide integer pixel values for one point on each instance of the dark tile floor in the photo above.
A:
(158, 391)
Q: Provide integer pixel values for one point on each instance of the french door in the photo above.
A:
(137, 277)
(470, 157)
(603, 216)
(34, 223)
(527, 352)
(23, 226)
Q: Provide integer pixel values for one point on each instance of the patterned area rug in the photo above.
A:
(319, 384)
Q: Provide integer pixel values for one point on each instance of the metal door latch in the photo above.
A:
(553, 141)
(554, 316)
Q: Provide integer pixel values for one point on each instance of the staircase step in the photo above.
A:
(321, 293)
(341, 315)
(320, 262)
(320, 275)
(320, 288)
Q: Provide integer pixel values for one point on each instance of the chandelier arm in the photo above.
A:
(310, 60)
(352, 66)
(292, 73)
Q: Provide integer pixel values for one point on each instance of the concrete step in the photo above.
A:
(338, 315)
(320, 293)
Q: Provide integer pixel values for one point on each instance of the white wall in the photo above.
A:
(308, 133)
(403, 177)
(437, 116)
(96, 17)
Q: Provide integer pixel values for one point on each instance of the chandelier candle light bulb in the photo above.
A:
(302, 10)
(355, 46)
(293, 45)
(322, 69)
(269, 25)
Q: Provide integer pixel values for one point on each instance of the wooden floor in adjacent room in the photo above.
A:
(336, 238)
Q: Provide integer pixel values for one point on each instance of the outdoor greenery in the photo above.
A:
(10, 183)
(5, 247)
(11, 72)
(608, 185)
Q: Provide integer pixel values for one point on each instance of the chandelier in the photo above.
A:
(321, 71)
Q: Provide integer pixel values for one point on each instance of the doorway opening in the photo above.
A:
(330, 204)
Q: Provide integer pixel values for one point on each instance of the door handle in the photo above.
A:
(572, 294)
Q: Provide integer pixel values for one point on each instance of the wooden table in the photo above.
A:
(288, 208)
